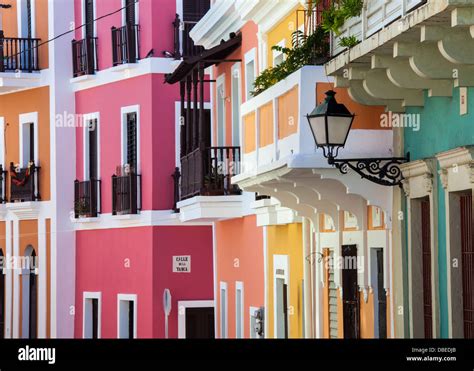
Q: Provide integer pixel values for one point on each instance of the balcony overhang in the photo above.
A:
(13, 81)
(312, 191)
(431, 48)
(211, 208)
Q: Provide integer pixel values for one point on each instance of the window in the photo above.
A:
(131, 138)
(127, 316)
(221, 98)
(193, 10)
(278, 56)
(250, 73)
(239, 310)
(236, 101)
(26, 18)
(280, 292)
(91, 319)
(28, 139)
(91, 147)
(223, 310)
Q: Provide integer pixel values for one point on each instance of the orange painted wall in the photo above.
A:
(10, 25)
(249, 41)
(48, 278)
(249, 142)
(11, 106)
(366, 316)
(288, 116)
(239, 257)
(266, 125)
(3, 234)
(367, 117)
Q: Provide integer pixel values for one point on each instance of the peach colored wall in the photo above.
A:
(9, 19)
(266, 125)
(249, 133)
(366, 316)
(367, 117)
(288, 116)
(249, 41)
(239, 257)
(11, 106)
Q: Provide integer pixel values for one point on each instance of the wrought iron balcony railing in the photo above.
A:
(208, 172)
(183, 44)
(87, 198)
(18, 54)
(24, 184)
(125, 44)
(84, 56)
(126, 194)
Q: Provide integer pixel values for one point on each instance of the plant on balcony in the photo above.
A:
(306, 50)
(348, 41)
(339, 12)
(82, 208)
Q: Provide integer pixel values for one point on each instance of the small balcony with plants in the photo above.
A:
(84, 57)
(87, 199)
(24, 183)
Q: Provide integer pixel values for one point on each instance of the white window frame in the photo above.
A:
(277, 53)
(28, 118)
(127, 297)
(137, 17)
(220, 82)
(224, 331)
(280, 262)
(85, 124)
(2, 142)
(185, 304)
(236, 69)
(239, 285)
(250, 56)
(92, 295)
(20, 4)
(123, 148)
(83, 18)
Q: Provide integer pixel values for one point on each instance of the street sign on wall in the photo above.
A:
(182, 264)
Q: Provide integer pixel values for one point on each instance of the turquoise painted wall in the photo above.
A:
(441, 128)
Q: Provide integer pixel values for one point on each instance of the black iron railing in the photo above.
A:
(87, 198)
(208, 172)
(183, 44)
(3, 191)
(24, 184)
(125, 44)
(18, 54)
(126, 194)
(84, 56)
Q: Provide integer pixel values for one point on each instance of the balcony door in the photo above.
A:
(25, 18)
(194, 10)
(89, 18)
(29, 296)
(130, 13)
(92, 150)
(28, 143)
(467, 261)
(350, 293)
(131, 141)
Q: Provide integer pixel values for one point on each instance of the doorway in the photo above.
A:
(196, 319)
(350, 292)
(380, 299)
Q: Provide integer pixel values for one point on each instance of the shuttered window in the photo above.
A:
(193, 10)
(132, 141)
(89, 14)
(130, 12)
(93, 152)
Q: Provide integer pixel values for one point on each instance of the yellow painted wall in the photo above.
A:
(282, 31)
(287, 240)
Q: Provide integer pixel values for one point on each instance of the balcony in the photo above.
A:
(204, 190)
(87, 199)
(184, 46)
(84, 56)
(125, 44)
(376, 15)
(126, 194)
(24, 184)
(19, 62)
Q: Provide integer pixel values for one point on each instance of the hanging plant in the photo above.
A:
(339, 12)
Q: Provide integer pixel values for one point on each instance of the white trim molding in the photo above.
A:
(185, 304)
(239, 286)
(420, 183)
(223, 314)
(457, 178)
(127, 297)
(92, 295)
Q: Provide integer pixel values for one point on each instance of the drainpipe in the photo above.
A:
(307, 260)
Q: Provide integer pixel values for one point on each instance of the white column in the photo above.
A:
(16, 280)
(8, 280)
(42, 259)
(307, 263)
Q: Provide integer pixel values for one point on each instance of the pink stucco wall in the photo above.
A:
(101, 267)
(157, 135)
(155, 20)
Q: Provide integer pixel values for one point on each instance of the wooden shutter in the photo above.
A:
(194, 10)
(89, 14)
(130, 12)
(132, 141)
(93, 160)
(467, 252)
(426, 265)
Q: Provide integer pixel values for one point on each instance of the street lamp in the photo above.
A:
(330, 123)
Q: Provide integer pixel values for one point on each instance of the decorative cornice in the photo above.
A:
(25, 210)
(443, 175)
